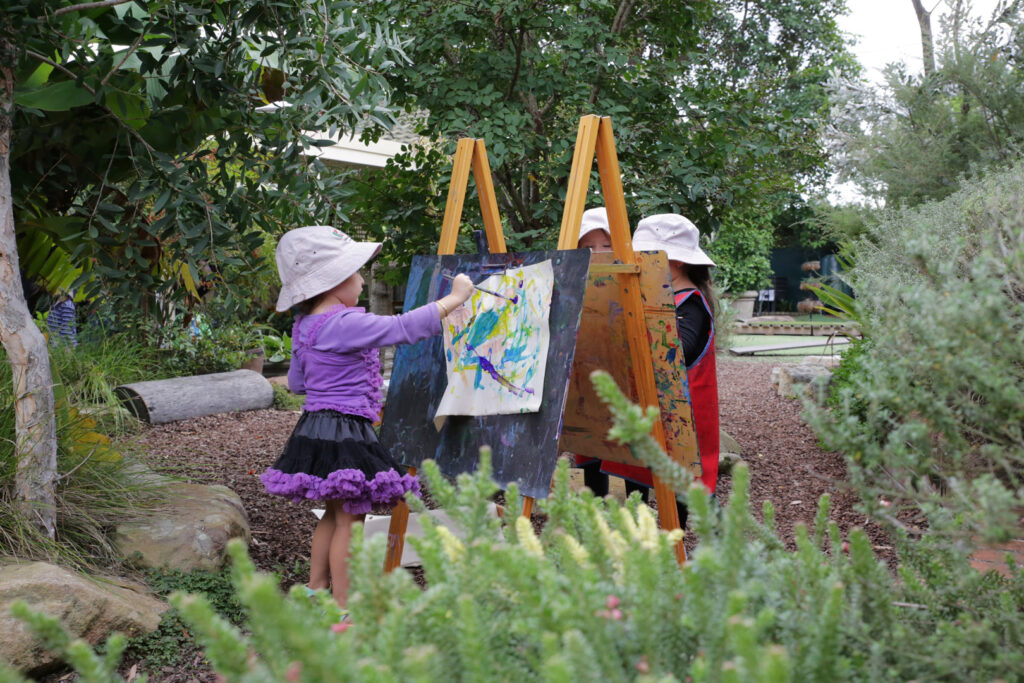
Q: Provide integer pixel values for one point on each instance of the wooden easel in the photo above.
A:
(469, 153)
(595, 136)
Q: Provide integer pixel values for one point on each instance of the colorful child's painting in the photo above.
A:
(496, 347)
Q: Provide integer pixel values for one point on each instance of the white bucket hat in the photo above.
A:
(672, 234)
(316, 258)
(594, 219)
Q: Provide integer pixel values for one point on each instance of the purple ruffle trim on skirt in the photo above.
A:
(350, 486)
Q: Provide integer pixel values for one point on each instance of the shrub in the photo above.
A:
(207, 348)
(286, 400)
(89, 372)
(598, 595)
(930, 413)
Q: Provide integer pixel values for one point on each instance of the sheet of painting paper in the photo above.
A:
(496, 348)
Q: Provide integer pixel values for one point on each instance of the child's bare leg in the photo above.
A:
(319, 555)
(339, 553)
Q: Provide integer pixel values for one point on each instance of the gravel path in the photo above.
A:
(787, 467)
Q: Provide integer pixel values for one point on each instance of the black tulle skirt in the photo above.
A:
(334, 456)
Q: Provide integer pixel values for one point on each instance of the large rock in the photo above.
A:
(89, 608)
(792, 379)
(188, 532)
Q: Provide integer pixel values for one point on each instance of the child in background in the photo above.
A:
(333, 453)
(695, 303)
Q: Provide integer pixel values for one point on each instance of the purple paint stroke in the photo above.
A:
(489, 368)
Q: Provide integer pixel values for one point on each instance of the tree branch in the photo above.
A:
(63, 69)
(131, 50)
(88, 5)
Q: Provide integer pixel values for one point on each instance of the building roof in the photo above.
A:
(349, 150)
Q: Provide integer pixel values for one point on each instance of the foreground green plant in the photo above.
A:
(598, 595)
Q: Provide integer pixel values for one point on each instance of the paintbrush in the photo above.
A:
(513, 299)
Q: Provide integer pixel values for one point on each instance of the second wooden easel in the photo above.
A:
(595, 137)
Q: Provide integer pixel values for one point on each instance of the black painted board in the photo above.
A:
(525, 445)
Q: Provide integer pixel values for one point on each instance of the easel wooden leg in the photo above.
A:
(668, 514)
(396, 533)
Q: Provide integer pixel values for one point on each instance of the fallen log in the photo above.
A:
(179, 398)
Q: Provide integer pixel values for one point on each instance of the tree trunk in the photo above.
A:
(924, 21)
(35, 429)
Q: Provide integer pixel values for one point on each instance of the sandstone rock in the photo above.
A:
(727, 444)
(89, 608)
(190, 531)
(829, 361)
(791, 379)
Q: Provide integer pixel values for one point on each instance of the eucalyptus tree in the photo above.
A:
(132, 143)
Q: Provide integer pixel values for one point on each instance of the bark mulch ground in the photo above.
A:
(786, 463)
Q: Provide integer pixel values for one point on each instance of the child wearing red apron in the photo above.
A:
(695, 324)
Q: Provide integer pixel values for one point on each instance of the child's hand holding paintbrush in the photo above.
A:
(513, 299)
(462, 289)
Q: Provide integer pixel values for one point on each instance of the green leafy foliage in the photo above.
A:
(715, 104)
(172, 640)
(209, 347)
(277, 347)
(87, 374)
(929, 412)
(286, 400)
(598, 595)
(96, 487)
(140, 147)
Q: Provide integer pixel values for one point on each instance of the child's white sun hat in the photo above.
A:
(594, 219)
(673, 234)
(316, 258)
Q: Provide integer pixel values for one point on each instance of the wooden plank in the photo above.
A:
(750, 350)
(614, 199)
(613, 268)
(488, 201)
(396, 533)
(601, 343)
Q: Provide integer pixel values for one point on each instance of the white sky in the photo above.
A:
(886, 31)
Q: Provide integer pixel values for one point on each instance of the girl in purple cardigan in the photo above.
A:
(333, 453)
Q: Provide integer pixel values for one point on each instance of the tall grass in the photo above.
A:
(89, 372)
(95, 489)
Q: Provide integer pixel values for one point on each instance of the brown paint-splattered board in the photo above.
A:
(602, 344)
